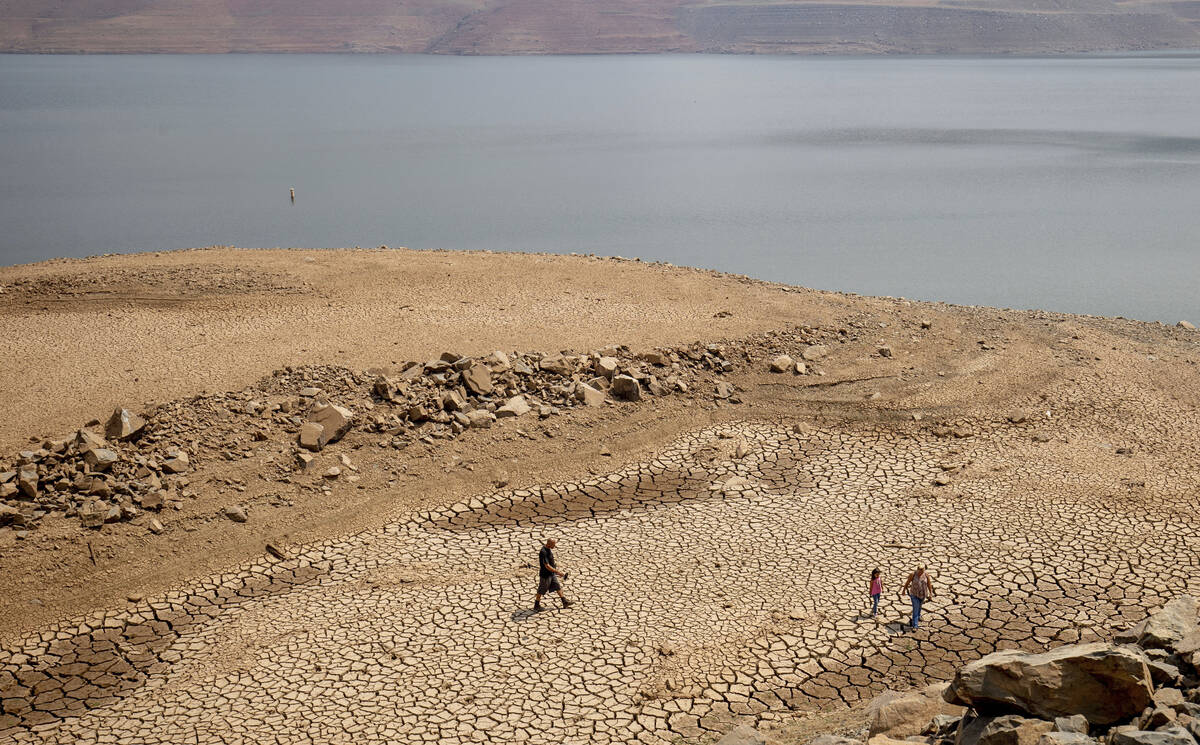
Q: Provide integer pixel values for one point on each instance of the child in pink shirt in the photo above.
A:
(876, 591)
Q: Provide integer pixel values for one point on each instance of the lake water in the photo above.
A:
(1070, 184)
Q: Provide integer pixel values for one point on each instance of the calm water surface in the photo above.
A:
(1071, 184)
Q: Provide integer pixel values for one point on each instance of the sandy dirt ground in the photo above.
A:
(1043, 465)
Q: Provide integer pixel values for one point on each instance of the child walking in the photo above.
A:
(876, 591)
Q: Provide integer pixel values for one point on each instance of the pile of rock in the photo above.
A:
(1144, 689)
(99, 476)
(446, 396)
(140, 462)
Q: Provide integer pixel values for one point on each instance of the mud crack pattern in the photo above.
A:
(723, 579)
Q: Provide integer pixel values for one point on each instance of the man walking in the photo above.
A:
(919, 588)
(548, 575)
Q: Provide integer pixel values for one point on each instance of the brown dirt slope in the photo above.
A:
(608, 26)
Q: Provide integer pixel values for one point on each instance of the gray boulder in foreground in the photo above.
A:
(1104, 683)
(1170, 625)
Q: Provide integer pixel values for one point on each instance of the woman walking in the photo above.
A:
(919, 587)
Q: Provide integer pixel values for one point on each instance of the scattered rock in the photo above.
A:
(607, 367)
(177, 462)
(124, 425)
(478, 379)
(335, 420)
(589, 396)
(514, 407)
(312, 436)
(1186, 325)
(557, 364)
(92, 514)
(480, 418)
(86, 440)
(626, 388)
(833, 740)
(782, 363)
(8, 514)
(27, 480)
(655, 357)
(815, 352)
(235, 513)
(743, 734)
(155, 527)
(1174, 735)
(884, 351)
(1002, 730)
(1065, 738)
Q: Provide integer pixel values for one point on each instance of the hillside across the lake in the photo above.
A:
(598, 26)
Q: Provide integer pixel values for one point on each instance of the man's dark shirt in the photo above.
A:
(545, 556)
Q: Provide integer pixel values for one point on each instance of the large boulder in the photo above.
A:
(1171, 624)
(124, 425)
(904, 714)
(1104, 683)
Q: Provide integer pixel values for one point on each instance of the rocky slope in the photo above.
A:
(611, 26)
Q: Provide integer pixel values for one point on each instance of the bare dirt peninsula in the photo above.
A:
(603, 26)
(297, 496)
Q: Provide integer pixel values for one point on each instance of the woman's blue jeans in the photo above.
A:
(916, 615)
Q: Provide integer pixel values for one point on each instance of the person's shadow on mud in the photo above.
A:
(523, 615)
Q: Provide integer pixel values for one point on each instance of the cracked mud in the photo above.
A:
(723, 579)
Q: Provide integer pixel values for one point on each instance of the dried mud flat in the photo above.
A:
(1043, 466)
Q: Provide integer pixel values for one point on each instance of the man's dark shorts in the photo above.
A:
(548, 584)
